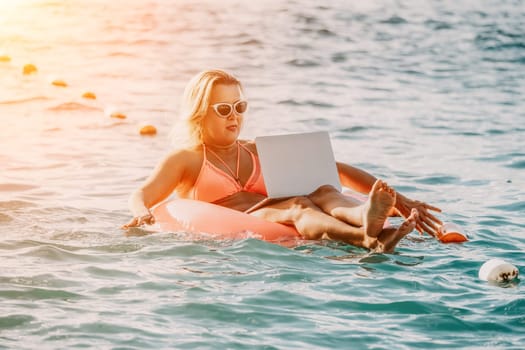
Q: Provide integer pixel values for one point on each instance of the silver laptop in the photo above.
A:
(296, 164)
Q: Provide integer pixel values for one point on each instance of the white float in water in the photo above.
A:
(497, 270)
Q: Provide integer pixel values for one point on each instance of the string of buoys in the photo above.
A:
(146, 129)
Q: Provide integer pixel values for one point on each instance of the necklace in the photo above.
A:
(236, 174)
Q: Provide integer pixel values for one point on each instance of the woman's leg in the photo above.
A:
(390, 237)
(371, 215)
(336, 204)
(312, 223)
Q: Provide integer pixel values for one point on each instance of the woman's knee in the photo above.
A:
(302, 202)
(323, 191)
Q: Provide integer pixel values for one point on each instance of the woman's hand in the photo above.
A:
(137, 221)
(426, 221)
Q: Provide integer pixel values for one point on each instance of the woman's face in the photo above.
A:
(219, 130)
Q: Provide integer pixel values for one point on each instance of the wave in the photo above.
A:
(293, 102)
(73, 106)
(438, 25)
(25, 100)
(39, 294)
(517, 164)
(14, 187)
(16, 204)
(121, 54)
(5, 218)
(394, 20)
(252, 42)
(355, 129)
(15, 321)
(298, 62)
(500, 40)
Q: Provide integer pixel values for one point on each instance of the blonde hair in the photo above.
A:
(187, 131)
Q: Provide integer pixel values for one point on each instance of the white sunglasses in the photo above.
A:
(224, 109)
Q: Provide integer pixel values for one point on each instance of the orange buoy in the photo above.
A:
(118, 115)
(89, 95)
(5, 58)
(147, 129)
(451, 233)
(60, 83)
(29, 69)
(453, 237)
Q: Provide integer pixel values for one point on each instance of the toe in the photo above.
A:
(377, 185)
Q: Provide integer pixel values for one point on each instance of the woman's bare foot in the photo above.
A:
(380, 202)
(390, 237)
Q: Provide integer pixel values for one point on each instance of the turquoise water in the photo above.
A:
(429, 96)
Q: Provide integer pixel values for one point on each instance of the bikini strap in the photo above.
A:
(256, 167)
(204, 151)
(250, 152)
(238, 161)
(234, 175)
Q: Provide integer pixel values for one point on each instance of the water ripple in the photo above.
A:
(303, 62)
(394, 20)
(15, 187)
(73, 106)
(518, 206)
(14, 321)
(25, 100)
(438, 118)
(38, 294)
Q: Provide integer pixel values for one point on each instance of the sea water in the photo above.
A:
(426, 95)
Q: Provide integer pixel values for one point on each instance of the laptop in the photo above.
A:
(295, 165)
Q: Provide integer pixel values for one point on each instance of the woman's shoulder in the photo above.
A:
(185, 155)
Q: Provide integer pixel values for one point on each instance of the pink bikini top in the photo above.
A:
(213, 183)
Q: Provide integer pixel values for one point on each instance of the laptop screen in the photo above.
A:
(297, 164)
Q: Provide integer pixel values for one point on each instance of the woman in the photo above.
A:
(216, 167)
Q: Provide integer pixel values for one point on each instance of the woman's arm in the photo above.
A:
(166, 177)
(354, 178)
(361, 181)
